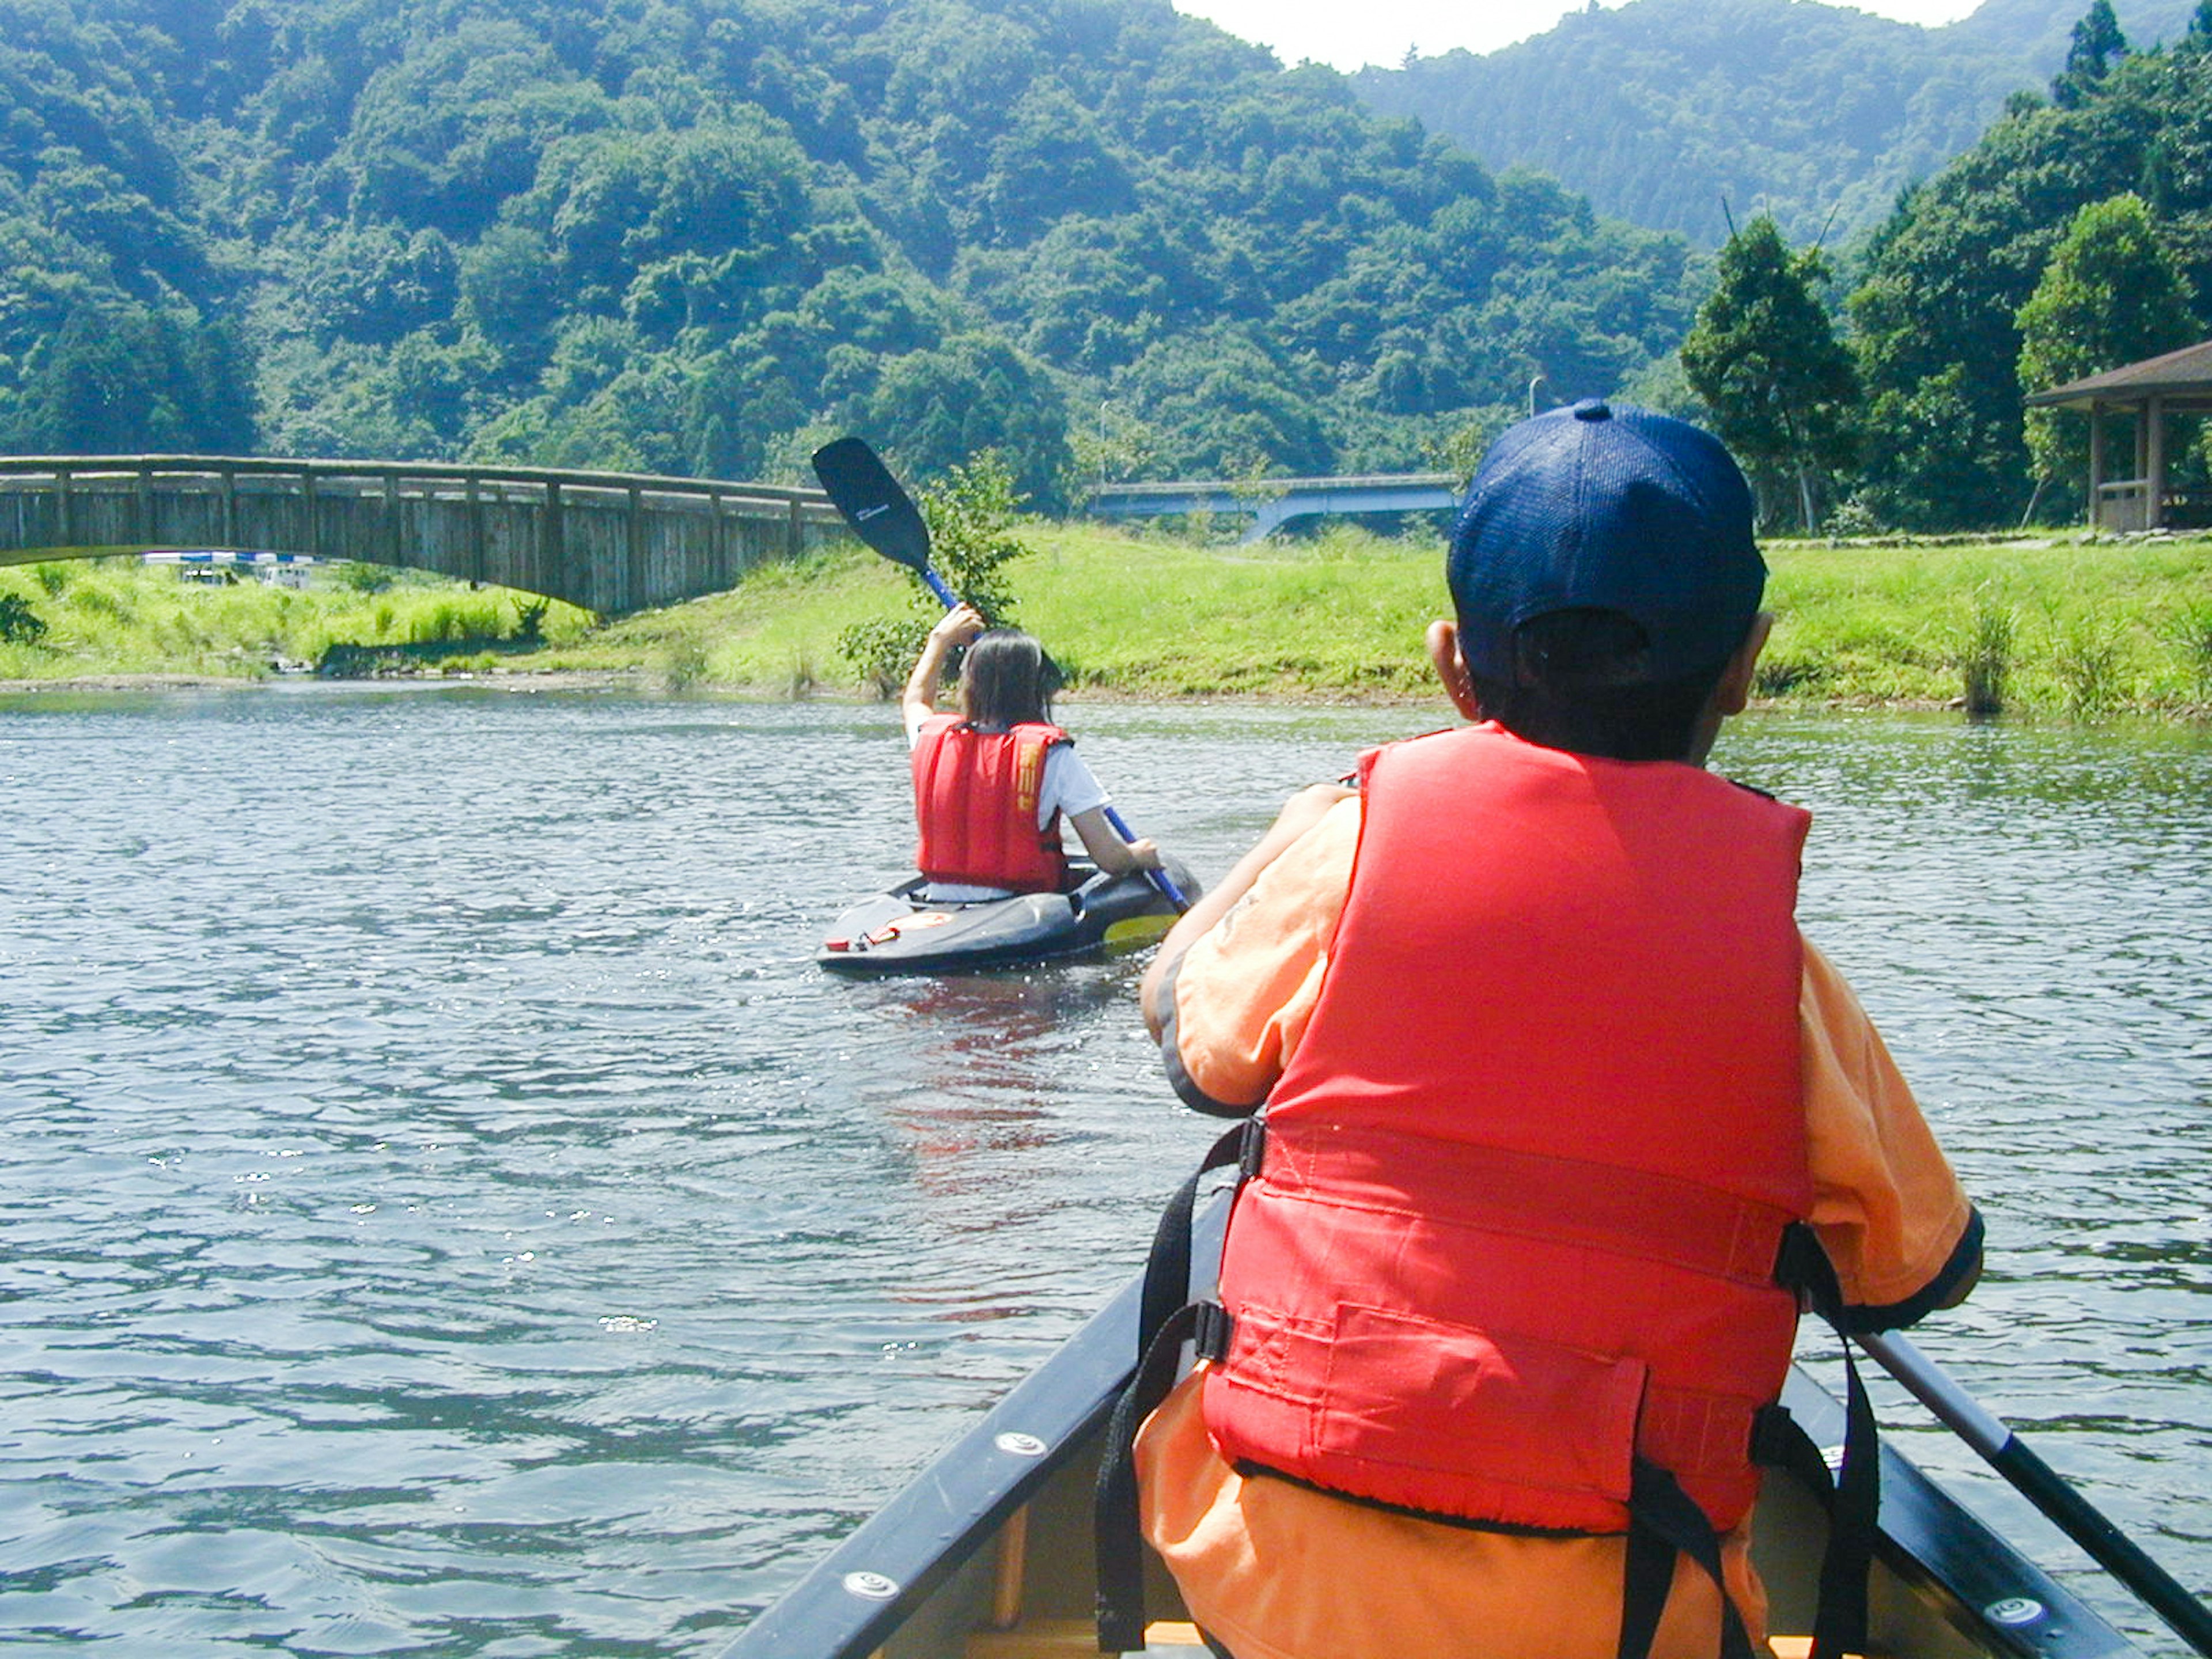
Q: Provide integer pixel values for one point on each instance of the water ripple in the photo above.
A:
(449, 1214)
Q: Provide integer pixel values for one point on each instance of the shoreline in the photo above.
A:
(644, 682)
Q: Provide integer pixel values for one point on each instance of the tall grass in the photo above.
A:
(119, 617)
(1985, 659)
(2090, 660)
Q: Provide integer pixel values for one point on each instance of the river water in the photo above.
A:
(446, 1213)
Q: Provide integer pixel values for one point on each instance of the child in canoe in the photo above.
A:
(1559, 1121)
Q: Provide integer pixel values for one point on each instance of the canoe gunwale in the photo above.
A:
(1940, 1551)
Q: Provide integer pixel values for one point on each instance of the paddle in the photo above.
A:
(2044, 1488)
(885, 516)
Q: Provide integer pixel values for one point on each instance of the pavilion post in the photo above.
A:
(2096, 466)
(2153, 420)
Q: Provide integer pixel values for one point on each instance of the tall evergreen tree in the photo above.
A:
(1765, 357)
(2111, 294)
(2096, 46)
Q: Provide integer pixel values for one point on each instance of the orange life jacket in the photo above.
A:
(975, 799)
(1524, 1182)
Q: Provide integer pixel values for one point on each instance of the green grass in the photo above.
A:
(2060, 627)
(114, 616)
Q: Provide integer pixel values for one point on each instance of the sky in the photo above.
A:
(1353, 35)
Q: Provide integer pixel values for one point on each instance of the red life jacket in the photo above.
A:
(1525, 1179)
(975, 798)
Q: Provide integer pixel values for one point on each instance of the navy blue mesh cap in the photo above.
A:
(1607, 508)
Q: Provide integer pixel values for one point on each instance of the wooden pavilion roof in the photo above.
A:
(2186, 373)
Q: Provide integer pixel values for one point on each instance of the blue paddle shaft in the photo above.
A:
(1160, 878)
(944, 593)
(2038, 1482)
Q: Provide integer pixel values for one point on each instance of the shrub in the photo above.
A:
(357, 577)
(883, 652)
(683, 660)
(19, 623)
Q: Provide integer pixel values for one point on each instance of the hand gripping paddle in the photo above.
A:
(884, 515)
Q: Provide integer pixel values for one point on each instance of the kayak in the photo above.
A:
(901, 932)
(987, 1554)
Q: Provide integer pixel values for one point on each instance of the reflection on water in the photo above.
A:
(448, 1213)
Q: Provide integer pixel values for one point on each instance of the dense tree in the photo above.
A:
(1765, 357)
(2096, 46)
(2111, 296)
(1937, 313)
(131, 380)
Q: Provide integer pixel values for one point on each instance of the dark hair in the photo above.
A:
(1581, 683)
(1007, 678)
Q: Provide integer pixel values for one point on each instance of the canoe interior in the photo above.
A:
(987, 1554)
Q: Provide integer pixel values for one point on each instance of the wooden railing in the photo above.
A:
(610, 542)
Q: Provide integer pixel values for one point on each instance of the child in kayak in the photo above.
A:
(1558, 1118)
(993, 783)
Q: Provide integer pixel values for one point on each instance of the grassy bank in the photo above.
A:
(2061, 627)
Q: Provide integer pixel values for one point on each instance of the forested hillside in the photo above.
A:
(1661, 111)
(694, 236)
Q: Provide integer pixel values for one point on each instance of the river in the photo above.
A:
(447, 1213)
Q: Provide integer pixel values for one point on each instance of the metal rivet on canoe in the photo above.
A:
(871, 1586)
(1020, 1445)
(2014, 1611)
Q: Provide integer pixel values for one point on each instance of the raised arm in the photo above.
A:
(956, 627)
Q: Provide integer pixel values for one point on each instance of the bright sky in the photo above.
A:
(1353, 35)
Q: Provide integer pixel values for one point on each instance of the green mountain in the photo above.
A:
(1676, 114)
(696, 236)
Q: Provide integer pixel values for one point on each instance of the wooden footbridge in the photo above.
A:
(613, 543)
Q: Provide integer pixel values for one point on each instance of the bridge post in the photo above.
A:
(67, 534)
(393, 539)
(143, 506)
(794, 534)
(308, 506)
(548, 536)
(475, 531)
(229, 506)
(634, 579)
(717, 538)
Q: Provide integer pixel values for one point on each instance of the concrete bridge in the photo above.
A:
(1273, 502)
(613, 543)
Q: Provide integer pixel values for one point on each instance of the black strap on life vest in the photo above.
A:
(1854, 1497)
(1664, 1522)
(1167, 1318)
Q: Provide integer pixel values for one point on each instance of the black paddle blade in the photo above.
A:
(881, 513)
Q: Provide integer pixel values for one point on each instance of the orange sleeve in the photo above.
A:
(1885, 1202)
(1243, 992)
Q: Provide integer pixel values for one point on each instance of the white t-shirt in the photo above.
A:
(1069, 787)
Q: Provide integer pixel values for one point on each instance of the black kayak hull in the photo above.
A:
(898, 932)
